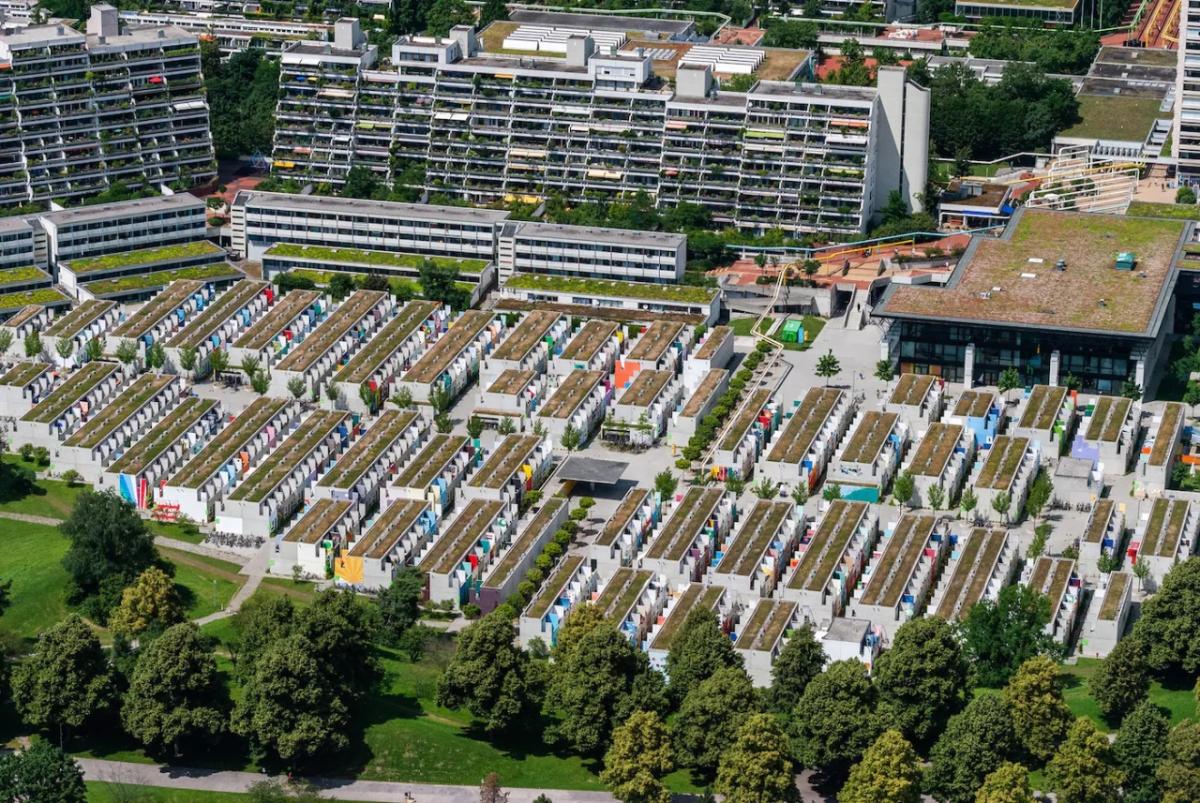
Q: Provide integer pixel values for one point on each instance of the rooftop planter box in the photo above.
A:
(367, 449)
(161, 278)
(44, 295)
(164, 434)
(680, 294)
(386, 341)
(285, 459)
(1002, 462)
(319, 341)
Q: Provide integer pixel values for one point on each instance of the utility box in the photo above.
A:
(1126, 261)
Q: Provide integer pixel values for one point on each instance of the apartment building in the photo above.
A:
(79, 112)
(556, 250)
(1186, 133)
(233, 33)
(487, 127)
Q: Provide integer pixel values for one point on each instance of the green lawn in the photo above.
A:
(33, 561)
(1179, 702)
(812, 327)
(205, 584)
(123, 793)
(179, 532)
(49, 498)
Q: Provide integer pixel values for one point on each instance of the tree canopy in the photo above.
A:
(758, 768)
(489, 676)
(109, 546)
(41, 773)
(1139, 749)
(800, 660)
(1039, 713)
(1170, 621)
(698, 651)
(710, 717)
(999, 636)
(976, 741)
(637, 761)
(1084, 770)
(835, 721)
(889, 771)
(922, 678)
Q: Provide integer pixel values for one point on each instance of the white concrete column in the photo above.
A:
(969, 366)
(1055, 363)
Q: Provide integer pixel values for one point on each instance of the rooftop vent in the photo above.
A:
(1126, 260)
(1060, 265)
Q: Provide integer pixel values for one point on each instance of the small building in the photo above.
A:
(516, 558)
(1165, 535)
(866, 463)
(457, 559)
(123, 226)
(661, 347)
(1108, 433)
(573, 581)
(434, 473)
(639, 512)
(1046, 418)
(761, 637)
(642, 412)
(550, 249)
(311, 541)
(830, 559)
(900, 573)
(1161, 449)
(225, 458)
(918, 398)
(1007, 468)
(633, 599)
(275, 489)
(133, 411)
(363, 383)
(512, 396)
(760, 550)
(359, 473)
(453, 361)
(65, 408)
(851, 639)
(692, 535)
(698, 404)
(1103, 535)
(1055, 12)
(340, 336)
(593, 347)
(139, 468)
(940, 461)
(160, 317)
(979, 412)
(975, 207)
(581, 296)
(290, 318)
(527, 346)
(23, 385)
(578, 401)
(1112, 603)
(79, 326)
(681, 601)
(1056, 579)
(800, 451)
(746, 435)
(714, 351)
(517, 465)
(1077, 481)
(219, 323)
(981, 564)
(391, 541)
(144, 286)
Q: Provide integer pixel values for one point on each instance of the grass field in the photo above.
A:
(1179, 702)
(179, 532)
(123, 793)
(49, 498)
(812, 327)
(205, 584)
(33, 561)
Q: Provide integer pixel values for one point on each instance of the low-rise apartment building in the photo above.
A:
(622, 254)
(981, 564)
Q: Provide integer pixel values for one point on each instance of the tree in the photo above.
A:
(261, 621)
(127, 351)
(1039, 494)
(832, 492)
(250, 365)
(66, 682)
(1122, 680)
(339, 630)
(1141, 570)
(218, 362)
(175, 694)
(1170, 621)
(828, 366)
(475, 426)
(1040, 715)
(903, 488)
(665, 483)
(493, 11)
(1084, 769)
(967, 501)
(6, 340)
(296, 386)
(94, 350)
(65, 348)
(72, 477)
(489, 676)
(800, 495)
(506, 426)
(883, 370)
(361, 182)
(757, 767)
(890, 772)
(1001, 503)
(445, 14)
(33, 345)
(922, 679)
(800, 660)
(835, 722)
(637, 761)
(1139, 749)
(999, 636)
(109, 546)
(1009, 380)
(187, 358)
(766, 489)
(698, 651)
(976, 742)
(156, 356)
(289, 708)
(151, 604)
(439, 280)
(400, 603)
(588, 687)
(1008, 783)
(41, 773)
(936, 497)
(709, 719)
(490, 790)
(1131, 389)
(442, 423)
(1179, 772)
(571, 438)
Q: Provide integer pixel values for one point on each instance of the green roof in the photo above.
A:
(671, 293)
(1115, 117)
(43, 295)
(23, 275)
(161, 278)
(359, 256)
(143, 256)
(1025, 3)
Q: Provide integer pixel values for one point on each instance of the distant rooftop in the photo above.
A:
(587, 234)
(385, 209)
(135, 206)
(602, 22)
(1013, 280)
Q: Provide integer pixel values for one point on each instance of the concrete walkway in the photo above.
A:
(30, 519)
(120, 772)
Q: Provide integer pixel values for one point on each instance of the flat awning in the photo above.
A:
(590, 469)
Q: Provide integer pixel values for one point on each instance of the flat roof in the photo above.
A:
(686, 520)
(617, 238)
(766, 625)
(592, 469)
(612, 288)
(112, 415)
(79, 318)
(1051, 577)
(570, 393)
(1164, 530)
(974, 403)
(622, 591)
(512, 382)
(1114, 595)
(695, 597)
(745, 417)
(165, 434)
(796, 438)
(135, 206)
(163, 304)
(825, 549)
(362, 454)
(217, 313)
(317, 521)
(869, 437)
(447, 347)
(23, 373)
(526, 539)
(1042, 409)
(716, 337)
(466, 530)
(72, 389)
(600, 22)
(1167, 433)
(425, 467)
(391, 525)
(618, 314)
(325, 206)
(973, 570)
(1116, 117)
(1055, 4)
(507, 458)
(708, 386)
(1108, 418)
(646, 387)
(1133, 301)
(320, 340)
(552, 589)
(911, 390)
(758, 531)
(1102, 513)
(631, 503)
(588, 341)
(391, 336)
(218, 451)
(281, 315)
(935, 449)
(278, 464)
(894, 568)
(525, 336)
(1003, 459)
(23, 315)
